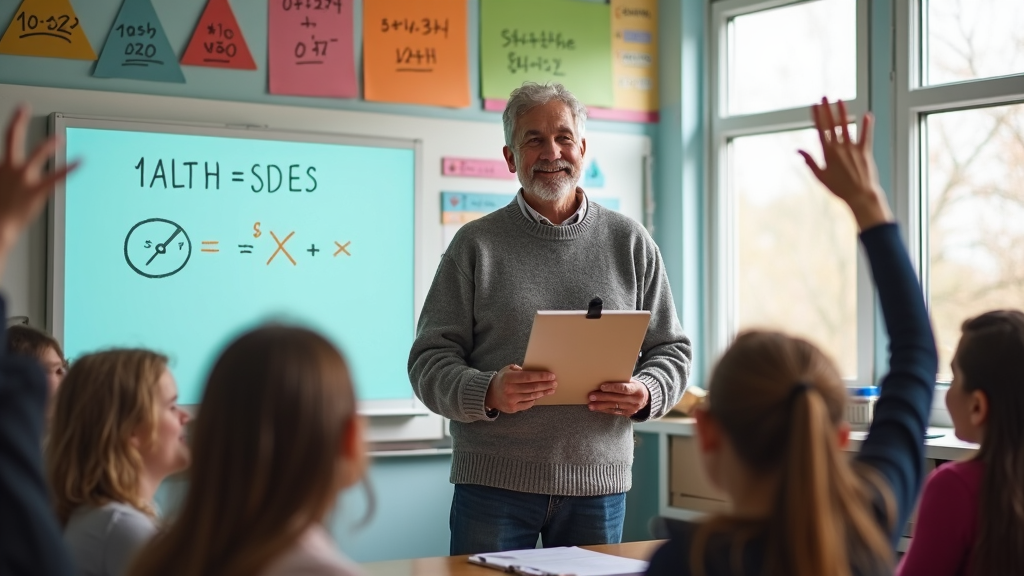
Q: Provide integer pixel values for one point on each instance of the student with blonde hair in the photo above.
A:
(276, 440)
(117, 432)
(772, 433)
(971, 517)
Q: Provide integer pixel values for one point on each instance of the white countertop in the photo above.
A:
(945, 447)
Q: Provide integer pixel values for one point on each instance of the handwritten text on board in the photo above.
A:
(415, 52)
(47, 28)
(310, 48)
(137, 47)
(571, 45)
(217, 40)
(206, 175)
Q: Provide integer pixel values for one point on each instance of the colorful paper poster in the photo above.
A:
(564, 41)
(635, 54)
(460, 208)
(137, 47)
(415, 52)
(218, 41)
(47, 28)
(310, 48)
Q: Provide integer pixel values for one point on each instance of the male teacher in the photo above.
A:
(520, 471)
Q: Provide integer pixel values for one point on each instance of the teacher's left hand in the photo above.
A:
(620, 398)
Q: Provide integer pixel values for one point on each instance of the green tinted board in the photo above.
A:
(566, 41)
(180, 241)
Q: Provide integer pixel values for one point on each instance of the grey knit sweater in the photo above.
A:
(497, 273)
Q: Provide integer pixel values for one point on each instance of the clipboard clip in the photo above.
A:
(594, 309)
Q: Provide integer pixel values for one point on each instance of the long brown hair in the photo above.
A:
(264, 456)
(779, 401)
(104, 399)
(991, 359)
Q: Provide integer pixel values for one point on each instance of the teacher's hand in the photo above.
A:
(513, 389)
(620, 398)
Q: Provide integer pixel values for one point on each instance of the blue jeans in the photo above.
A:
(485, 519)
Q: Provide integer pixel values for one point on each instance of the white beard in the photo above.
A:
(551, 190)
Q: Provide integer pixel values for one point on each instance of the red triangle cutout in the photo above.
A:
(218, 41)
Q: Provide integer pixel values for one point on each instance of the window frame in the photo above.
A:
(913, 102)
(721, 295)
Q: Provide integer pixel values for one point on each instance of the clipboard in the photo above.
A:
(585, 349)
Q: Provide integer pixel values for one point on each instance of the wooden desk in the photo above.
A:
(460, 566)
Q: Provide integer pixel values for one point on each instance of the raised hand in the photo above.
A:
(514, 389)
(24, 186)
(849, 170)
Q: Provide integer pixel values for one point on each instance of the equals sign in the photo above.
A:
(237, 176)
(245, 248)
(210, 246)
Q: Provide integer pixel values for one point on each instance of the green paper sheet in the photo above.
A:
(566, 41)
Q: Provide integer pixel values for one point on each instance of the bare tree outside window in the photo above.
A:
(973, 169)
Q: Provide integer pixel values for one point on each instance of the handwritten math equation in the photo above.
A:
(536, 40)
(159, 248)
(221, 47)
(206, 175)
(58, 26)
(421, 26)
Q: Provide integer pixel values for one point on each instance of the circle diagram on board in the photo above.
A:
(157, 248)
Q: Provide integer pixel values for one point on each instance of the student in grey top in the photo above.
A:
(560, 472)
(117, 432)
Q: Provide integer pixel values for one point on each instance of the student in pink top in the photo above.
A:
(276, 438)
(970, 520)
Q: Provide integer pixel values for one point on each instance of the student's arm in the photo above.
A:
(30, 539)
(943, 533)
(895, 444)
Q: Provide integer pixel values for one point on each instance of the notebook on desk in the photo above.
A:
(562, 561)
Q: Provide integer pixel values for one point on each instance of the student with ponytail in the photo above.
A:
(771, 433)
(970, 521)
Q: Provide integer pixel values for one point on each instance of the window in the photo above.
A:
(960, 131)
(784, 250)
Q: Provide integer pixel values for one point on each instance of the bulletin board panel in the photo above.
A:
(622, 162)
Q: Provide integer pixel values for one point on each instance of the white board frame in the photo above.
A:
(59, 122)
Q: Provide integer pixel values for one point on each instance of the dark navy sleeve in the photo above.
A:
(895, 443)
(673, 557)
(30, 539)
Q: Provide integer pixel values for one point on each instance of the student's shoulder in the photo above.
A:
(956, 478)
(314, 554)
(673, 557)
(124, 523)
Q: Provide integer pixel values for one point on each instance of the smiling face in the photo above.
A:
(547, 152)
(166, 451)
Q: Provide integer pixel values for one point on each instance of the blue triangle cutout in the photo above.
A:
(137, 47)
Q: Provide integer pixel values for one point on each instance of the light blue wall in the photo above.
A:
(413, 494)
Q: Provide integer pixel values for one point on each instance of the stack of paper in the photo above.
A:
(560, 562)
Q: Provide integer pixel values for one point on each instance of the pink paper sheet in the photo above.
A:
(310, 48)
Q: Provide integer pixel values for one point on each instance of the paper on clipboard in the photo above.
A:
(585, 352)
(560, 561)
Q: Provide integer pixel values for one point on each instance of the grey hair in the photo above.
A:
(532, 94)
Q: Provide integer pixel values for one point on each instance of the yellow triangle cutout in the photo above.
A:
(46, 28)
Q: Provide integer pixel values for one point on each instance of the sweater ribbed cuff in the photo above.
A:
(473, 396)
(657, 401)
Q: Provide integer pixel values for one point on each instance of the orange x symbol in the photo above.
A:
(342, 248)
(281, 248)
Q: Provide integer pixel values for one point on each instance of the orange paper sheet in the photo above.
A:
(46, 28)
(415, 52)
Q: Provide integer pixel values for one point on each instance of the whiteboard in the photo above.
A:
(180, 237)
